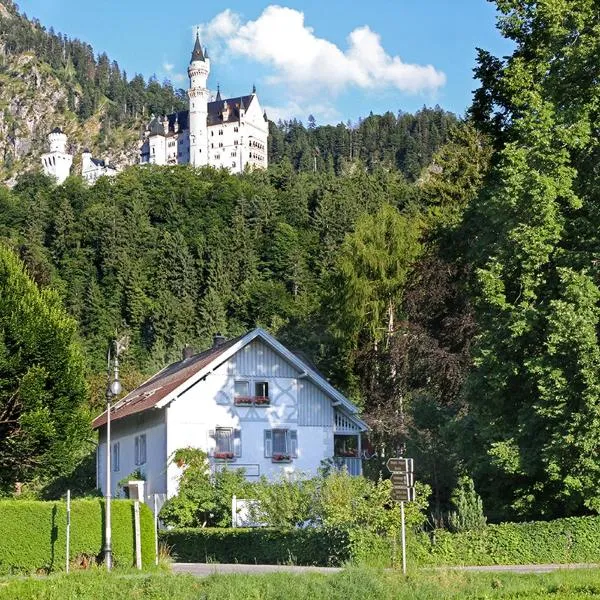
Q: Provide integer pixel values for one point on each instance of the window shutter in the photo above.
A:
(137, 450)
(237, 442)
(294, 443)
(268, 443)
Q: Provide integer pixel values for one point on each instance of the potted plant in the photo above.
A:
(281, 457)
(243, 400)
(223, 455)
(261, 400)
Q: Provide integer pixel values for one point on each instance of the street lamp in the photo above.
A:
(113, 389)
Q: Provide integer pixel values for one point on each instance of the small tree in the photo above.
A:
(469, 507)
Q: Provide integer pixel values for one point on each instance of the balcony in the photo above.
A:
(353, 464)
(252, 401)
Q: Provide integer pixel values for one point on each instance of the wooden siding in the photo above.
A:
(257, 360)
(314, 407)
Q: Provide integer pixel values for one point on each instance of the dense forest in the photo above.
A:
(443, 273)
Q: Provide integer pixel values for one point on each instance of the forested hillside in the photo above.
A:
(443, 274)
(49, 80)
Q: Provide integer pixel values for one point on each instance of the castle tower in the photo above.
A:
(198, 72)
(57, 163)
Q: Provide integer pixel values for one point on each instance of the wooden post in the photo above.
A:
(138, 541)
(403, 538)
(234, 511)
(156, 529)
(68, 551)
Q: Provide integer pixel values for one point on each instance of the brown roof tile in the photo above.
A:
(151, 392)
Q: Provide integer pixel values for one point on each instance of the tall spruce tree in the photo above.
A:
(535, 391)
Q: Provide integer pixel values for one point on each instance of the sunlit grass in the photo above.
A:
(363, 584)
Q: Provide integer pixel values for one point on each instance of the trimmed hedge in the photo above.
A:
(569, 540)
(258, 546)
(33, 534)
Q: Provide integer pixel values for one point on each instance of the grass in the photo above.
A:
(350, 584)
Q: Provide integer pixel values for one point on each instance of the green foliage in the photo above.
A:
(572, 540)
(34, 534)
(202, 498)
(44, 426)
(535, 389)
(468, 514)
(311, 546)
(349, 584)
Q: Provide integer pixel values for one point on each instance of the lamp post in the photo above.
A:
(113, 389)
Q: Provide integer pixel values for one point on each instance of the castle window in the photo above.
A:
(235, 129)
(233, 164)
(220, 132)
(220, 144)
(212, 133)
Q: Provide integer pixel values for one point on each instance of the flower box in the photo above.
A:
(223, 455)
(347, 454)
(281, 458)
(262, 400)
(243, 400)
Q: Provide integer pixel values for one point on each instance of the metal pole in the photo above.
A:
(156, 529)
(68, 529)
(403, 538)
(107, 492)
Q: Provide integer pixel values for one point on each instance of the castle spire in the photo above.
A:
(218, 98)
(197, 53)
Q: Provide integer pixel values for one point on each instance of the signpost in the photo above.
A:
(402, 491)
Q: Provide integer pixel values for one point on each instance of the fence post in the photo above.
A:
(68, 551)
(234, 511)
(138, 541)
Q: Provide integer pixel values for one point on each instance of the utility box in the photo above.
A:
(135, 490)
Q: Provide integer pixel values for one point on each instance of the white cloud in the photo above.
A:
(168, 67)
(280, 39)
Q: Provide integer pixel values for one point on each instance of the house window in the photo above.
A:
(140, 449)
(116, 457)
(241, 390)
(281, 445)
(261, 389)
(228, 443)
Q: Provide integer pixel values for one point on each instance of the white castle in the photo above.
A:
(57, 162)
(226, 133)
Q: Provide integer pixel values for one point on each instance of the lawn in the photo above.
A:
(350, 584)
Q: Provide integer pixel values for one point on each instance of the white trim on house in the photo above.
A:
(303, 369)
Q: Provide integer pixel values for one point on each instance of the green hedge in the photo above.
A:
(575, 539)
(260, 546)
(33, 534)
(560, 541)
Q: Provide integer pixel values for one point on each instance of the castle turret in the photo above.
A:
(57, 162)
(198, 94)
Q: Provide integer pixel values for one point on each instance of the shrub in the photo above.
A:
(469, 507)
(33, 534)
(316, 546)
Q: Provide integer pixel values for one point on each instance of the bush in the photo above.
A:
(576, 539)
(33, 534)
(469, 508)
(317, 546)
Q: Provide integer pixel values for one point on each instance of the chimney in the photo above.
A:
(188, 352)
(218, 340)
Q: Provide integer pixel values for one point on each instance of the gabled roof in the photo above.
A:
(174, 380)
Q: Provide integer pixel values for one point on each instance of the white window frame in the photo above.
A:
(291, 444)
(234, 443)
(140, 449)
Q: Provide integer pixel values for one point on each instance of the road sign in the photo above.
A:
(400, 479)
(403, 494)
(400, 465)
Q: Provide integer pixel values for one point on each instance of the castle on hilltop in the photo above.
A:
(57, 161)
(226, 133)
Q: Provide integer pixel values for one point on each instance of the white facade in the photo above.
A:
(227, 133)
(291, 428)
(93, 168)
(57, 162)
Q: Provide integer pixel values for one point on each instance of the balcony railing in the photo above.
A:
(352, 463)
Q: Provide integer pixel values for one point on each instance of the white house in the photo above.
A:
(93, 168)
(229, 133)
(248, 402)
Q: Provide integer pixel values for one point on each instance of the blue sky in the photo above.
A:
(336, 59)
